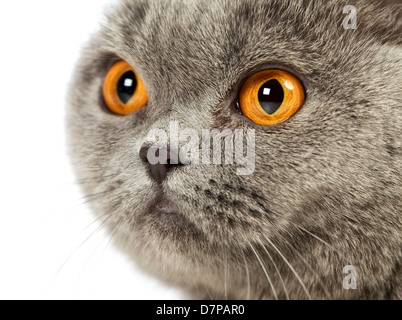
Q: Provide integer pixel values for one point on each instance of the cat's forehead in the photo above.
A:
(209, 44)
(219, 39)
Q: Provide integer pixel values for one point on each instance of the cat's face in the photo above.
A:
(325, 191)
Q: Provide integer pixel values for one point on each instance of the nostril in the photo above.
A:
(144, 154)
(159, 172)
(160, 160)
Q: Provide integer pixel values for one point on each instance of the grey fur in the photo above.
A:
(326, 191)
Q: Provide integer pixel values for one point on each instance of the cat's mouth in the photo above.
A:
(168, 213)
(164, 206)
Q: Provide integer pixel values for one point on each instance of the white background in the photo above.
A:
(50, 246)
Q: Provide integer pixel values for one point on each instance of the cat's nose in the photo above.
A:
(160, 161)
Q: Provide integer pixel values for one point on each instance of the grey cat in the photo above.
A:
(320, 217)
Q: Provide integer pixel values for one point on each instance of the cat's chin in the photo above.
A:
(163, 235)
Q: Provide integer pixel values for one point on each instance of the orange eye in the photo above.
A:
(271, 96)
(123, 90)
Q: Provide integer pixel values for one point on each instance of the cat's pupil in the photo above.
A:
(271, 96)
(126, 86)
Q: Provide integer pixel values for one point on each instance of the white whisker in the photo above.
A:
(291, 268)
(97, 229)
(314, 273)
(226, 275)
(277, 270)
(248, 276)
(265, 270)
(319, 239)
(208, 293)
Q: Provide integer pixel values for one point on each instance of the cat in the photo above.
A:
(320, 215)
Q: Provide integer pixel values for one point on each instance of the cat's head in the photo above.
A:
(325, 186)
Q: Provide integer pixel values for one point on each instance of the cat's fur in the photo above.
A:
(326, 191)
